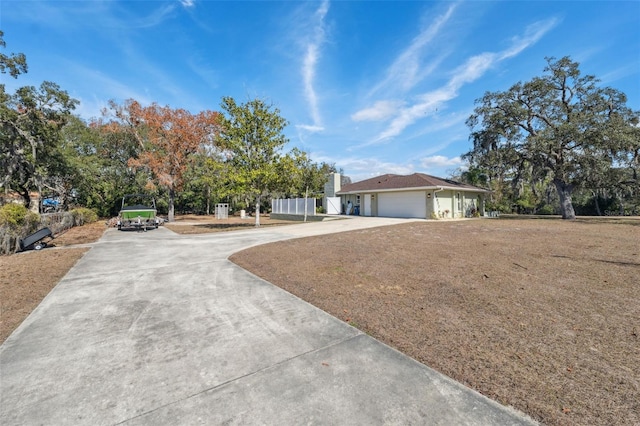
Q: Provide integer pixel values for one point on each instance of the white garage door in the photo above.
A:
(402, 204)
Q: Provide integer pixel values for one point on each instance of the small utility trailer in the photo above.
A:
(36, 241)
(138, 216)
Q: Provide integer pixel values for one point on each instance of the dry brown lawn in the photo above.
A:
(26, 278)
(543, 315)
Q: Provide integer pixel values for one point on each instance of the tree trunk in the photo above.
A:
(597, 204)
(208, 200)
(24, 193)
(172, 197)
(258, 212)
(566, 205)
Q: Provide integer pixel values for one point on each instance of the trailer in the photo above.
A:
(138, 216)
(36, 241)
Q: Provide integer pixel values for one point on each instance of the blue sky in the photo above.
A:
(372, 86)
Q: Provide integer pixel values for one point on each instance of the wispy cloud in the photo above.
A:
(474, 68)
(153, 19)
(408, 70)
(309, 66)
(187, 3)
(380, 111)
(532, 34)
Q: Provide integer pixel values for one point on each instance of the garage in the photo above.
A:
(413, 196)
(409, 204)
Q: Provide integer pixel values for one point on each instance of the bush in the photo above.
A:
(17, 216)
(83, 215)
(16, 222)
(546, 209)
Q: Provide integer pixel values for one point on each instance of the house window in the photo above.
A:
(459, 202)
(357, 200)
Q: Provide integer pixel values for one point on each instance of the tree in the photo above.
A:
(30, 123)
(560, 126)
(168, 139)
(299, 176)
(98, 157)
(251, 135)
(207, 180)
(16, 63)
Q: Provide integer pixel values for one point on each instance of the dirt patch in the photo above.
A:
(26, 278)
(542, 315)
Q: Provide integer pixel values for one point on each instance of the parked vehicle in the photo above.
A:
(138, 216)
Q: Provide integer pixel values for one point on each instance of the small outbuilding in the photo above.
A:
(413, 196)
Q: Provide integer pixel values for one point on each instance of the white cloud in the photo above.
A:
(474, 68)
(532, 34)
(187, 3)
(310, 128)
(380, 111)
(310, 63)
(407, 116)
(365, 168)
(440, 161)
(407, 70)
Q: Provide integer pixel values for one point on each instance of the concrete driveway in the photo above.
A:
(154, 328)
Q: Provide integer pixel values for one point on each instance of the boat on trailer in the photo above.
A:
(138, 216)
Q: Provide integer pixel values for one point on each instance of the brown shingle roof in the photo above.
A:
(391, 182)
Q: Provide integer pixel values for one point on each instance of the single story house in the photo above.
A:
(413, 196)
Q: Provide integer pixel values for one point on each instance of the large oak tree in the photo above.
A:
(30, 124)
(561, 126)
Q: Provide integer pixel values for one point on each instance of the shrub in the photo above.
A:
(83, 215)
(17, 216)
(16, 222)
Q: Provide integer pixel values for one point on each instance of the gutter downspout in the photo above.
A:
(435, 198)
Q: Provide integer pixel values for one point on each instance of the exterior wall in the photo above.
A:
(355, 201)
(429, 201)
(443, 204)
(331, 187)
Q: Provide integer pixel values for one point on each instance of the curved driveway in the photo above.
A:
(160, 329)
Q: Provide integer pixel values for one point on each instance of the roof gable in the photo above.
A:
(391, 182)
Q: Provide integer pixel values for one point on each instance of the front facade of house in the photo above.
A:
(413, 196)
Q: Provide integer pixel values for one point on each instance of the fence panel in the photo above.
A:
(294, 206)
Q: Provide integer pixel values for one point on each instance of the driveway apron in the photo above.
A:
(154, 328)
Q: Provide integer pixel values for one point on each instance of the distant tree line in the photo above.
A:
(189, 162)
(556, 144)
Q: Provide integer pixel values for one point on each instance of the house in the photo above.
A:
(413, 196)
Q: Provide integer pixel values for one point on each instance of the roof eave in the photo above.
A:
(417, 188)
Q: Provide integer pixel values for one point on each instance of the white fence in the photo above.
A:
(294, 206)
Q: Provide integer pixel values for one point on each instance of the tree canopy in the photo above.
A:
(251, 136)
(30, 123)
(168, 140)
(560, 127)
